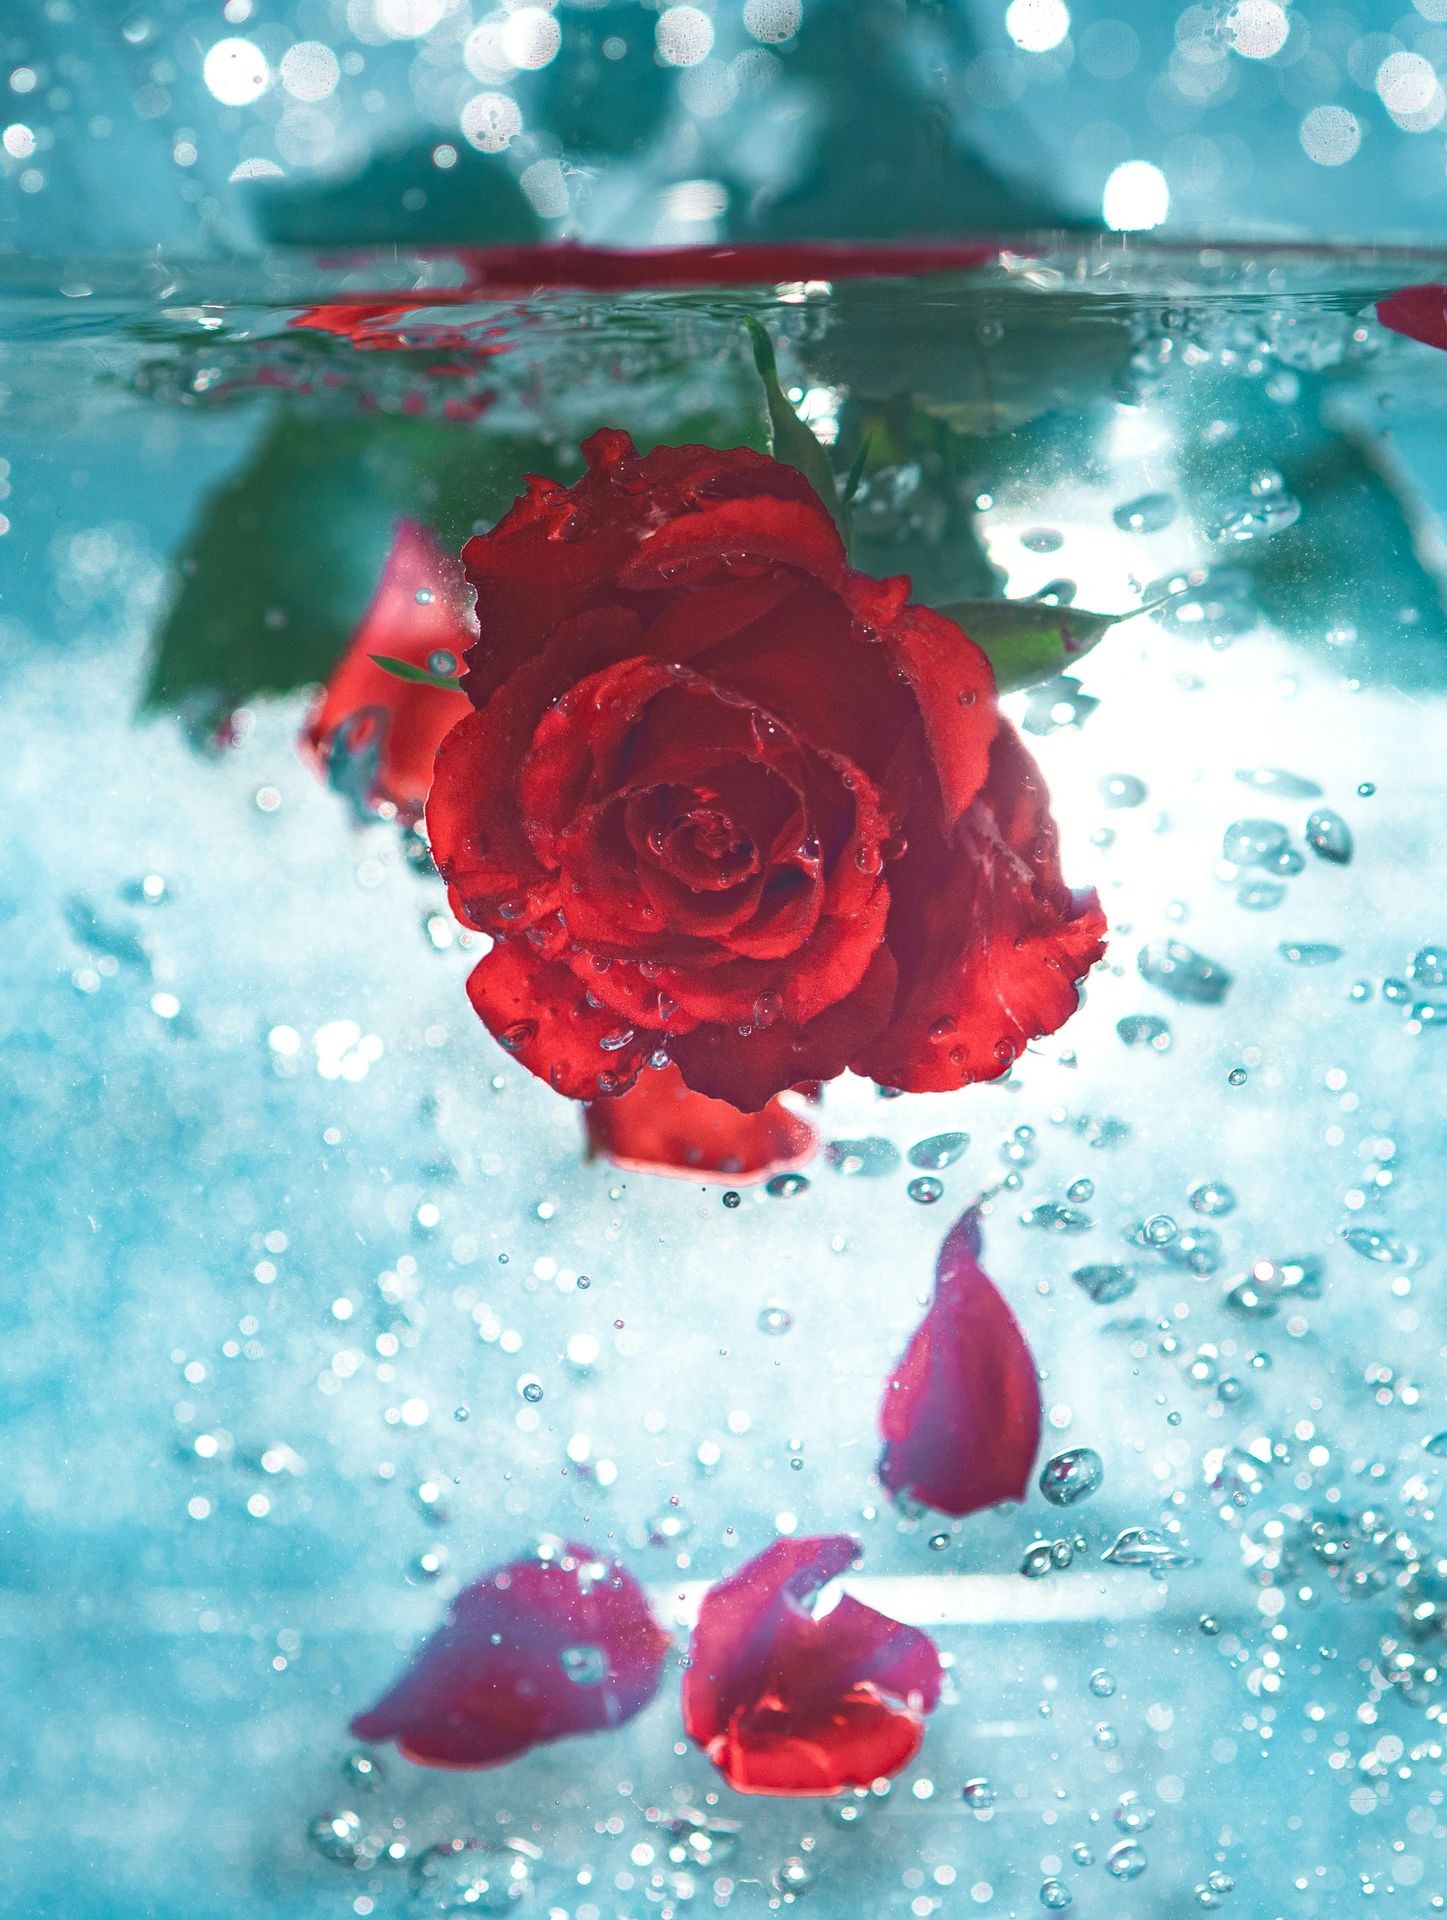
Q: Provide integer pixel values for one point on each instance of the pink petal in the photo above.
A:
(961, 1413)
(559, 1644)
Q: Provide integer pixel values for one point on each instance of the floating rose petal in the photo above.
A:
(660, 1126)
(961, 1413)
(1418, 312)
(541, 1648)
(373, 735)
(786, 1702)
(382, 324)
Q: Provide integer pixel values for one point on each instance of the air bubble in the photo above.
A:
(1071, 1476)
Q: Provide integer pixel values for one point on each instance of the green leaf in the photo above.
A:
(793, 443)
(1028, 641)
(404, 670)
(285, 554)
(856, 473)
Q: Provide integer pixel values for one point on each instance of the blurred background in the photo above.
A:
(200, 126)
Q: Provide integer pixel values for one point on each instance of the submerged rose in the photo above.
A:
(726, 800)
(783, 1702)
(961, 1412)
(376, 736)
(558, 1644)
(660, 1126)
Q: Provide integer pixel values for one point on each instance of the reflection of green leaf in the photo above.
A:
(404, 670)
(287, 553)
(792, 441)
(1028, 641)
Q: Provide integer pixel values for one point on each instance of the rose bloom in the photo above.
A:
(724, 801)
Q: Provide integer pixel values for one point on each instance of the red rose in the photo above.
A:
(784, 1702)
(724, 798)
(557, 1644)
(371, 734)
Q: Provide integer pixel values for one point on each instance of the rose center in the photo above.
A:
(696, 840)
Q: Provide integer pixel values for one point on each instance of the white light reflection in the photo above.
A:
(235, 72)
(1037, 25)
(1136, 197)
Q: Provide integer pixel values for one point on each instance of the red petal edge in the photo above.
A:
(961, 1413)
(786, 1703)
(1418, 312)
(662, 1126)
(557, 1644)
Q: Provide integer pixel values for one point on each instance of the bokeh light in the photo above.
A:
(1037, 25)
(684, 36)
(310, 70)
(1257, 28)
(1330, 136)
(236, 72)
(1136, 197)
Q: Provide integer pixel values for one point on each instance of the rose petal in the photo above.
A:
(989, 941)
(559, 548)
(474, 823)
(1418, 312)
(660, 1126)
(748, 1069)
(538, 1009)
(736, 535)
(559, 1644)
(802, 662)
(953, 686)
(961, 1413)
(372, 735)
(786, 1703)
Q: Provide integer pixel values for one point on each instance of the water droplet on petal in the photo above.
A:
(584, 1666)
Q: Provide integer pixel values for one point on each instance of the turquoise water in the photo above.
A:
(278, 1213)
